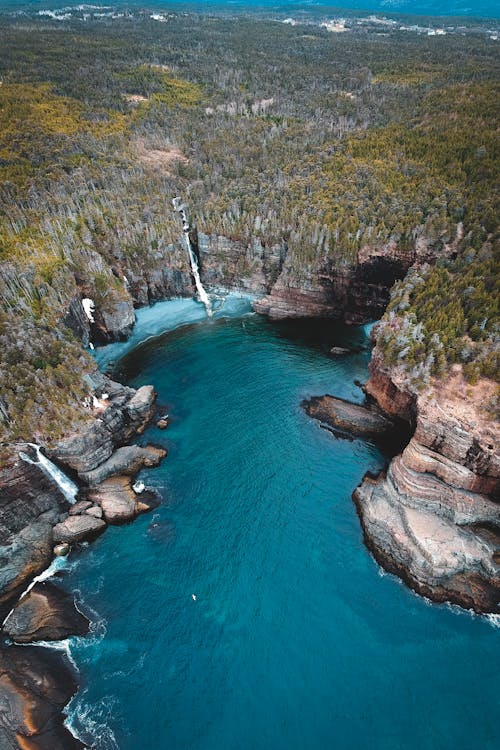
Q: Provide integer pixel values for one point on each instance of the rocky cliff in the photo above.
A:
(434, 517)
(34, 514)
(356, 292)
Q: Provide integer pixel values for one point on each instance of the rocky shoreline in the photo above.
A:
(433, 518)
(36, 521)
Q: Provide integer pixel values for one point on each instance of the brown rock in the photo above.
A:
(95, 511)
(46, 613)
(348, 418)
(78, 528)
(79, 507)
(116, 499)
(35, 685)
(431, 519)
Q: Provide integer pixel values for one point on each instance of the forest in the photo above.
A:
(328, 142)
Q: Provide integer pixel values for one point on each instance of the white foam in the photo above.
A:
(58, 563)
(170, 315)
(89, 722)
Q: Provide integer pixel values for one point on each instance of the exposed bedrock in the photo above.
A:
(34, 512)
(35, 685)
(46, 613)
(346, 418)
(225, 263)
(355, 293)
(29, 506)
(118, 501)
(434, 517)
(232, 263)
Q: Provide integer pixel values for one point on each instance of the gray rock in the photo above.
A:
(348, 418)
(78, 528)
(94, 511)
(116, 498)
(79, 507)
(128, 460)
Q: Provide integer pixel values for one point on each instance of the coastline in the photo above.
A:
(152, 322)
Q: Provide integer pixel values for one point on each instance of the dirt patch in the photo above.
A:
(157, 158)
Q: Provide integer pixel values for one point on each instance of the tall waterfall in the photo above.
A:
(65, 484)
(202, 294)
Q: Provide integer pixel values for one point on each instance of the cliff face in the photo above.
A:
(355, 293)
(31, 503)
(434, 517)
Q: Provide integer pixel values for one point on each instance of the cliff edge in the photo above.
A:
(434, 517)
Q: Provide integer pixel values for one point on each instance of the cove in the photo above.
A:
(295, 640)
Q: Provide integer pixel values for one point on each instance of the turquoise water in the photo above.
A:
(295, 640)
(471, 8)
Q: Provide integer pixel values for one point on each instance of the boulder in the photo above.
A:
(129, 460)
(118, 500)
(94, 511)
(80, 507)
(46, 613)
(78, 529)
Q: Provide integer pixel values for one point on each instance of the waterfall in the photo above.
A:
(65, 484)
(59, 563)
(202, 294)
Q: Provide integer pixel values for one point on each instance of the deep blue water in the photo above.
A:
(474, 8)
(295, 641)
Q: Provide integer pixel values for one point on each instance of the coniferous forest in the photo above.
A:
(285, 133)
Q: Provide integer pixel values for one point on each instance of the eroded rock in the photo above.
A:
(347, 418)
(46, 613)
(35, 685)
(78, 529)
(129, 460)
(432, 518)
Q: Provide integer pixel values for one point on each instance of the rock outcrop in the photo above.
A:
(129, 459)
(348, 419)
(356, 293)
(434, 517)
(35, 685)
(30, 504)
(33, 511)
(117, 500)
(78, 529)
(46, 613)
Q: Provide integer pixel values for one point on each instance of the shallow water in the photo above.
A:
(295, 640)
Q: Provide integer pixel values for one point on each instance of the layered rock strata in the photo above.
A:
(355, 293)
(434, 517)
(46, 613)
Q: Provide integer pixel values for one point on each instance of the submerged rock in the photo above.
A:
(46, 613)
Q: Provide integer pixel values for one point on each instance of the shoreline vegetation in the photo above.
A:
(340, 176)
